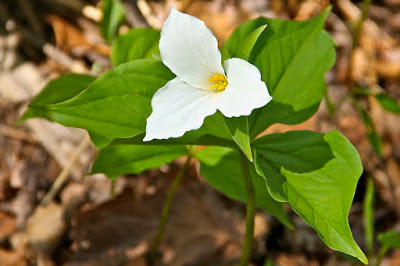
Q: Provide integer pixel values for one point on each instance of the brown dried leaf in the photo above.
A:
(221, 18)
(46, 227)
(9, 258)
(7, 225)
(197, 232)
(68, 36)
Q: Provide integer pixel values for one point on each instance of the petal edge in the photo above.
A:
(189, 49)
(178, 108)
(245, 91)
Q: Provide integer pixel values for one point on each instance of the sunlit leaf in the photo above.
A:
(317, 175)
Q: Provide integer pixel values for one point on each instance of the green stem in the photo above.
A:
(382, 253)
(364, 13)
(369, 216)
(250, 211)
(164, 215)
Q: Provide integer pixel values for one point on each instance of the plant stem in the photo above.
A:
(364, 13)
(368, 210)
(381, 254)
(165, 211)
(250, 210)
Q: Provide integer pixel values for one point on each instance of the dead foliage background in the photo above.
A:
(89, 220)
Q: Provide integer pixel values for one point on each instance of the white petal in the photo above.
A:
(189, 49)
(177, 108)
(245, 91)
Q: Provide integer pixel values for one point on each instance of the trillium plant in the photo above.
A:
(174, 93)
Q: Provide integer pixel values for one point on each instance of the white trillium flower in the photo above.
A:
(201, 87)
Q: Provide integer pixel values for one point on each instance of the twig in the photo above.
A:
(57, 55)
(359, 25)
(63, 176)
(16, 133)
(133, 16)
(73, 5)
(27, 9)
(356, 40)
(48, 49)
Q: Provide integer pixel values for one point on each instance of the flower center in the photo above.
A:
(220, 82)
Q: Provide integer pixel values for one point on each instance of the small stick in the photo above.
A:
(63, 176)
(133, 16)
(27, 9)
(17, 134)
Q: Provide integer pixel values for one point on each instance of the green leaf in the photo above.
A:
(113, 15)
(116, 105)
(317, 175)
(375, 141)
(239, 129)
(292, 57)
(240, 34)
(329, 104)
(245, 47)
(119, 160)
(390, 239)
(135, 44)
(58, 90)
(221, 167)
(361, 91)
(388, 103)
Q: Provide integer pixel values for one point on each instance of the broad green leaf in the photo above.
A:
(239, 129)
(221, 167)
(245, 47)
(317, 175)
(119, 160)
(388, 103)
(113, 15)
(58, 90)
(135, 44)
(390, 239)
(117, 104)
(292, 57)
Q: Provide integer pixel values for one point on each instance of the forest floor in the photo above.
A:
(93, 221)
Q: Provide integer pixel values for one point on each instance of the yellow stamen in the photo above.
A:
(220, 81)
